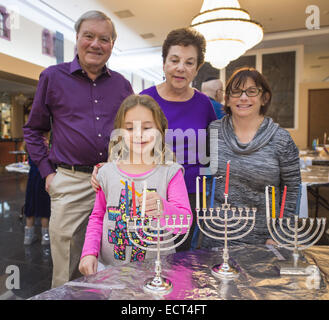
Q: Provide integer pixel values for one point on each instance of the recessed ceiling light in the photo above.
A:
(147, 35)
(124, 14)
(323, 57)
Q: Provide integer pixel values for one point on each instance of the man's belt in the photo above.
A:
(81, 168)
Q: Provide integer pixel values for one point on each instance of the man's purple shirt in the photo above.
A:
(82, 113)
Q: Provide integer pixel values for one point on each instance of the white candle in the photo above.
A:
(144, 198)
(267, 202)
(197, 193)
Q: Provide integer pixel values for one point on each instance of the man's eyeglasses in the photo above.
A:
(250, 92)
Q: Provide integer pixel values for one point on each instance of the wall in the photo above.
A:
(26, 44)
(300, 133)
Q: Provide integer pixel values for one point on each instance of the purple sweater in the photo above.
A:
(189, 116)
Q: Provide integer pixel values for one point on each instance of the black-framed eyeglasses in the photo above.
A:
(250, 92)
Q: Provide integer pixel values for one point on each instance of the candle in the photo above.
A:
(204, 193)
(127, 200)
(267, 202)
(273, 202)
(227, 177)
(197, 205)
(134, 198)
(298, 199)
(129, 187)
(325, 138)
(213, 192)
(144, 199)
(283, 201)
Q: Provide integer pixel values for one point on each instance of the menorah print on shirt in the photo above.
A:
(119, 236)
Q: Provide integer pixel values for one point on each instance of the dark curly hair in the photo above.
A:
(239, 77)
(185, 37)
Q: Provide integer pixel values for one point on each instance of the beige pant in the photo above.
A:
(72, 200)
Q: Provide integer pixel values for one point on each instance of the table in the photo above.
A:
(315, 177)
(314, 157)
(190, 274)
(17, 153)
(21, 167)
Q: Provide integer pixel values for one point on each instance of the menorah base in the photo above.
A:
(301, 269)
(224, 271)
(158, 285)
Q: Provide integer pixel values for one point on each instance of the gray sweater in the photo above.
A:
(271, 158)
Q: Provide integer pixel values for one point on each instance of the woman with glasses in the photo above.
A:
(261, 154)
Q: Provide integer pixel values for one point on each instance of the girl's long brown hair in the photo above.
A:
(118, 150)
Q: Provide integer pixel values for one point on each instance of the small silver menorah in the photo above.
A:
(228, 227)
(294, 237)
(158, 235)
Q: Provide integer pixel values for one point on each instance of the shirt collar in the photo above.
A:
(75, 66)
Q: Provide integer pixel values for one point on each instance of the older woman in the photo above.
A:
(260, 153)
(186, 109)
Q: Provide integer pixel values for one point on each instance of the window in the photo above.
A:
(47, 42)
(4, 23)
(280, 66)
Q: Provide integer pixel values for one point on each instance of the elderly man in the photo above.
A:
(213, 88)
(78, 102)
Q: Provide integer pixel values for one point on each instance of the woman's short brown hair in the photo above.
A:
(185, 37)
(239, 77)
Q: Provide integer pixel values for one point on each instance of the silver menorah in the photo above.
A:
(295, 235)
(155, 236)
(228, 223)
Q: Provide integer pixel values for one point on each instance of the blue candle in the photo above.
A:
(213, 192)
(298, 199)
(127, 200)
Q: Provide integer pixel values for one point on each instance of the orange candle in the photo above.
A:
(283, 201)
(273, 202)
(204, 193)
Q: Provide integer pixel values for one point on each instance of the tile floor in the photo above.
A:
(24, 270)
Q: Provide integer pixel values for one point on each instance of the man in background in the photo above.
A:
(213, 88)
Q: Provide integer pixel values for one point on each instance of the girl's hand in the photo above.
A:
(151, 207)
(49, 179)
(88, 265)
(93, 180)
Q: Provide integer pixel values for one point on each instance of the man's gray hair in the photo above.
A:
(95, 15)
(210, 87)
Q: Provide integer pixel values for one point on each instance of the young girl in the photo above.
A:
(136, 154)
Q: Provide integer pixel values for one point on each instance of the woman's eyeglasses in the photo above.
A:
(250, 92)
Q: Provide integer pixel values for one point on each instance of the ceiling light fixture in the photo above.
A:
(228, 30)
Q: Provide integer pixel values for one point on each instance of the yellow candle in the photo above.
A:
(273, 202)
(204, 193)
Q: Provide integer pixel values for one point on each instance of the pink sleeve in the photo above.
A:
(95, 227)
(178, 201)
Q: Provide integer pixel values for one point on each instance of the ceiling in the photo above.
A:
(158, 17)
(283, 22)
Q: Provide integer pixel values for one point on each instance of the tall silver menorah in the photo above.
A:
(155, 236)
(294, 234)
(228, 223)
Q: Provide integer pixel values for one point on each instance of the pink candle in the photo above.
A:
(283, 201)
(134, 198)
(227, 177)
